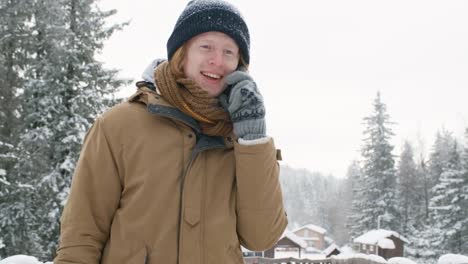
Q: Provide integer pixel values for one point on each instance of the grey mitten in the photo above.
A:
(245, 106)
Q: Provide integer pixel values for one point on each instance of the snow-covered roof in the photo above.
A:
(330, 249)
(346, 250)
(312, 227)
(294, 238)
(243, 249)
(374, 237)
(310, 238)
(386, 243)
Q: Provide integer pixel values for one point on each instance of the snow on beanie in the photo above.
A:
(200, 16)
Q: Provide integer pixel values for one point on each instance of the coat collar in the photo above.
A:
(155, 104)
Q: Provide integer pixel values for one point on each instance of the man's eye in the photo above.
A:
(229, 52)
(205, 47)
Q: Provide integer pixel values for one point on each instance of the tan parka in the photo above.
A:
(150, 188)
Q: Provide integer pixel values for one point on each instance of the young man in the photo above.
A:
(183, 172)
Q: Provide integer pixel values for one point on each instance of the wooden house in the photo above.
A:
(313, 235)
(289, 243)
(381, 242)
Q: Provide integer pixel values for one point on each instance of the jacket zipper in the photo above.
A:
(194, 154)
(192, 158)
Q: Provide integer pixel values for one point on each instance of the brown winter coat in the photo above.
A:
(150, 188)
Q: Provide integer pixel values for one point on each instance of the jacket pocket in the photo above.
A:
(235, 255)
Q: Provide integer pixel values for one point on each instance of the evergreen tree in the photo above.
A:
(424, 181)
(409, 190)
(312, 198)
(440, 155)
(354, 179)
(339, 207)
(426, 240)
(65, 89)
(379, 176)
(464, 198)
(14, 43)
(421, 233)
(413, 194)
(446, 206)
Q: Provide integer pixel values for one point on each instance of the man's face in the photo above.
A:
(209, 58)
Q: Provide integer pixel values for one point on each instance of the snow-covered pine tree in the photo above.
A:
(338, 206)
(412, 195)
(426, 239)
(65, 89)
(379, 176)
(439, 156)
(423, 178)
(312, 198)
(15, 22)
(446, 211)
(22, 212)
(356, 196)
(420, 234)
(14, 41)
(464, 202)
(409, 190)
(301, 195)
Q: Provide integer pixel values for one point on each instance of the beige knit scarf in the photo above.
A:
(189, 98)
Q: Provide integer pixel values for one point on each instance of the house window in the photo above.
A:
(371, 248)
(356, 247)
(364, 246)
(306, 233)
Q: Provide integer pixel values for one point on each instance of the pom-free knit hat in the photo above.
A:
(200, 16)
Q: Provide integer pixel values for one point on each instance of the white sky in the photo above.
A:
(319, 65)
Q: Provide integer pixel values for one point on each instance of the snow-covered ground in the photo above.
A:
(375, 258)
(22, 259)
(399, 260)
(453, 259)
(304, 255)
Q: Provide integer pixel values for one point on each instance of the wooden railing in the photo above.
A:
(353, 260)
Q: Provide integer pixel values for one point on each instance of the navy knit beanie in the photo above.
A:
(200, 16)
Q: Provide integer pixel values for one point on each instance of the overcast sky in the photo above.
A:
(319, 65)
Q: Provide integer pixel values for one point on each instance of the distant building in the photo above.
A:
(249, 253)
(384, 243)
(331, 250)
(289, 244)
(303, 242)
(313, 235)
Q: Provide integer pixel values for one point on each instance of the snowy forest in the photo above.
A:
(52, 88)
(425, 199)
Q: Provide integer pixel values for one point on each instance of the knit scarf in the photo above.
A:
(189, 98)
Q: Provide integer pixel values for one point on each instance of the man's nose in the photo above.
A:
(216, 58)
